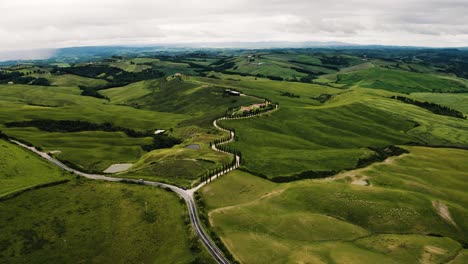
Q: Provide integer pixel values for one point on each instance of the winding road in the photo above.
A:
(187, 195)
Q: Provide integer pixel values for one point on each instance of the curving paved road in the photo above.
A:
(187, 195)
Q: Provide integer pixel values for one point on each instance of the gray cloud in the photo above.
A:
(28, 24)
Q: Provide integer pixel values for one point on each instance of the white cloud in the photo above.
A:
(28, 24)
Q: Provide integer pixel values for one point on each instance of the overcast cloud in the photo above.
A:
(31, 24)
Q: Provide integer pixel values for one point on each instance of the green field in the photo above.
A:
(96, 222)
(457, 101)
(91, 150)
(305, 135)
(333, 221)
(21, 170)
(339, 110)
(398, 81)
(183, 108)
(181, 166)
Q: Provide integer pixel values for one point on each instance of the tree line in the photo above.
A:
(21, 78)
(64, 126)
(434, 108)
(119, 77)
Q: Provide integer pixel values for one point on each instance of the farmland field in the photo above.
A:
(96, 222)
(16, 176)
(395, 220)
(358, 156)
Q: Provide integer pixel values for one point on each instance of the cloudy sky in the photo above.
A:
(31, 24)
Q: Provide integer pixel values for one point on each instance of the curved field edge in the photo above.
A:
(136, 223)
(396, 213)
(16, 177)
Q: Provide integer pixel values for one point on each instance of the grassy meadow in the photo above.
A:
(336, 111)
(96, 222)
(400, 218)
(398, 81)
(306, 134)
(456, 101)
(22, 170)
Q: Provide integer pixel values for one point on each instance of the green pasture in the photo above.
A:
(21, 170)
(96, 222)
(393, 220)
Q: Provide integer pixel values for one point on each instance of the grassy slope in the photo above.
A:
(181, 165)
(456, 101)
(334, 221)
(74, 80)
(16, 176)
(92, 150)
(306, 135)
(203, 102)
(183, 106)
(96, 222)
(266, 67)
(122, 95)
(398, 80)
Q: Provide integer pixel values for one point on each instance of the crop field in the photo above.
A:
(321, 221)
(97, 222)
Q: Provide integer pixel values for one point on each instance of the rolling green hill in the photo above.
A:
(398, 81)
(456, 101)
(95, 222)
(21, 170)
(307, 135)
(400, 218)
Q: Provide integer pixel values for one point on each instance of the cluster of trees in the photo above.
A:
(304, 175)
(206, 177)
(288, 94)
(434, 108)
(21, 78)
(307, 79)
(92, 91)
(162, 141)
(316, 64)
(459, 68)
(119, 76)
(64, 126)
(335, 60)
(3, 136)
(380, 154)
(322, 98)
(255, 111)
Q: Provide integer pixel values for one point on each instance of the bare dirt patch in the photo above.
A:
(118, 167)
(428, 254)
(362, 182)
(443, 212)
